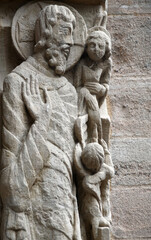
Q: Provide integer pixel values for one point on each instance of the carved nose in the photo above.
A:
(97, 49)
(68, 39)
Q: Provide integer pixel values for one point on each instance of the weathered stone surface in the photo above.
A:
(133, 7)
(23, 36)
(132, 161)
(95, 2)
(132, 106)
(40, 107)
(8, 56)
(131, 37)
(26, 145)
(130, 24)
(104, 234)
(8, 60)
(89, 13)
(131, 209)
(67, 1)
(130, 101)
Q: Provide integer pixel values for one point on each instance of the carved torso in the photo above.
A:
(56, 166)
(52, 190)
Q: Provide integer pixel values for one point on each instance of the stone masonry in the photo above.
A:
(129, 105)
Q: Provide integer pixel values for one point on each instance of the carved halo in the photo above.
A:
(23, 31)
(99, 28)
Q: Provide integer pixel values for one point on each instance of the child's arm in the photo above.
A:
(108, 170)
(77, 80)
(108, 160)
(100, 89)
(106, 74)
(105, 173)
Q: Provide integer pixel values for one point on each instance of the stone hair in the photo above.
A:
(101, 35)
(47, 19)
(93, 156)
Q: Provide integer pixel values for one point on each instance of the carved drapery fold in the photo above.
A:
(56, 166)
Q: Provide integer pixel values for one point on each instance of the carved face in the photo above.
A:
(58, 49)
(54, 35)
(62, 31)
(96, 49)
(57, 55)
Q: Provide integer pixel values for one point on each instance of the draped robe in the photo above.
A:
(36, 176)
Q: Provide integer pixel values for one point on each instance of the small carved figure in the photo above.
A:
(93, 79)
(38, 188)
(94, 165)
(91, 127)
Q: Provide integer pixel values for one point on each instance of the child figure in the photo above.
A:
(92, 79)
(92, 160)
(94, 165)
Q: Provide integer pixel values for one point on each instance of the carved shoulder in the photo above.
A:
(78, 74)
(106, 73)
(14, 112)
(107, 64)
(12, 83)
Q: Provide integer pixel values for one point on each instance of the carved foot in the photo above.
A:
(108, 218)
(16, 235)
(103, 222)
(18, 227)
(103, 233)
(21, 235)
(11, 235)
(99, 223)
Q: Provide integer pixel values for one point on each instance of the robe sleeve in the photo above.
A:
(24, 152)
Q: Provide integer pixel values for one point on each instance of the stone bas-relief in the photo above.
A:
(94, 167)
(56, 165)
(92, 78)
(92, 159)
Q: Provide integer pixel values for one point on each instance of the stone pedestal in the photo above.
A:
(103, 233)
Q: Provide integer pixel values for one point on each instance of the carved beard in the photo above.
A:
(56, 59)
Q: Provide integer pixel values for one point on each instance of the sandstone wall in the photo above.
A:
(130, 105)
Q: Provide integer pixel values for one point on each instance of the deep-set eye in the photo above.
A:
(101, 46)
(92, 45)
(64, 30)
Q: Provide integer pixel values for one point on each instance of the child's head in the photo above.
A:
(98, 45)
(93, 157)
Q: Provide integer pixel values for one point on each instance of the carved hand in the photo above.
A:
(94, 179)
(91, 103)
(96, 88)
(38, 110)
(17, 235)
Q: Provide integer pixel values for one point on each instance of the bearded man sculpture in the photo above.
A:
(39, 111)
